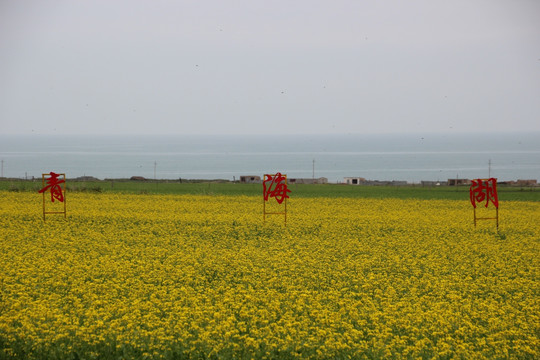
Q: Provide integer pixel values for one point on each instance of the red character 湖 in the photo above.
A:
(484, 190)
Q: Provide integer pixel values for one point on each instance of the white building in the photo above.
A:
(354, 180)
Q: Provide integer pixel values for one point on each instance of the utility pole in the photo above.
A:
(155, 180)
(2, 168)
(313, 174)
(489, 169)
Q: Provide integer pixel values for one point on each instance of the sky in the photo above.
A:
(269, 67)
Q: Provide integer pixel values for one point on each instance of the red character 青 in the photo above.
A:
(277, 187)
(54, 185)
(484, 190)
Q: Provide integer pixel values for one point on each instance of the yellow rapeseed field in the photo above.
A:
(170, 276)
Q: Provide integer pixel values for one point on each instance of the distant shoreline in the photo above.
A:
(410, 158)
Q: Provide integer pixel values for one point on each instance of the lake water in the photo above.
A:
(411, 158)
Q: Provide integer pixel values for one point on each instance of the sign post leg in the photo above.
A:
(43, 185)
(285, 212)
(65, 211)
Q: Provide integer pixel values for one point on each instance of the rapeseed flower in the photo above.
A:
(168, 276)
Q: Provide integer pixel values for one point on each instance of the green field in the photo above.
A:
(298, 190)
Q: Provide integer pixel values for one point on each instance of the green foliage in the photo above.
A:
(506, 193)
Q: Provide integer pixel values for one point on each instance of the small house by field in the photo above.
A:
(250, 179)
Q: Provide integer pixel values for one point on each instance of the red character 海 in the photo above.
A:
(275, 186)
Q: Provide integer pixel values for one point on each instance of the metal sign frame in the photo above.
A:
(63, 195)
(265, 198)
(487, 218)
(496, 204)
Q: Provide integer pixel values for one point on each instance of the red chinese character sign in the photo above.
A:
(275, 186)
(483, 192)
(56, 185)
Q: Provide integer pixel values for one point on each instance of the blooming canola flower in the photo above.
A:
(169, 276)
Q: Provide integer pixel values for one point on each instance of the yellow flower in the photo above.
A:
(169, 276)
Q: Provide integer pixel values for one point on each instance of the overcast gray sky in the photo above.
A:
(294, 66)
